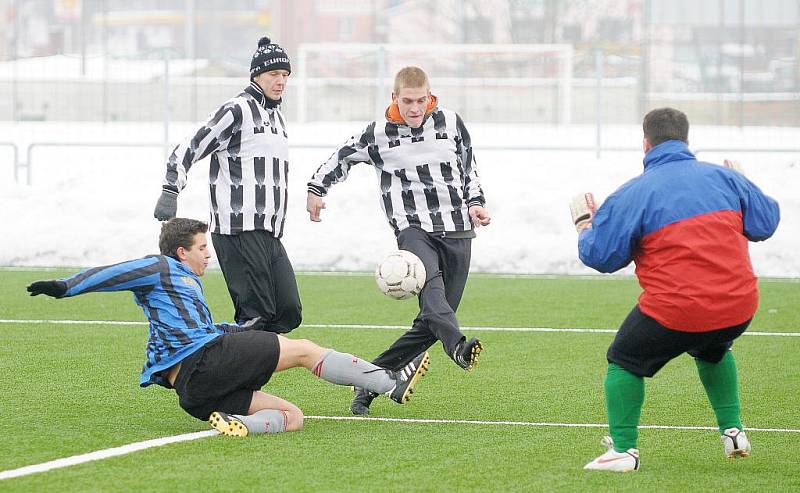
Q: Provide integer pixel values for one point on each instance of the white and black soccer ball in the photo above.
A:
(400, 275)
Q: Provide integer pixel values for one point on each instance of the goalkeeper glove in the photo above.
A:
(734, 165)
(53, 288)
(582, 208)
(167, 206)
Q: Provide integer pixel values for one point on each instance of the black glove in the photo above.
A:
(243, 327)
(53, 288)
(167, 206)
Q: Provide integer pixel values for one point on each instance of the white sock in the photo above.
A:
(265, 421)
(346, 369)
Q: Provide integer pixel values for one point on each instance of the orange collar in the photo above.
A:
(393, 112)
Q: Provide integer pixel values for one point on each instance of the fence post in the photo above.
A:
(301, 84)
(598, 69)
(382, 67)
(566, 60)
(166, 101)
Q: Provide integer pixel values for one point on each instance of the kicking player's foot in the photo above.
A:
(466, 353)
(227, 424)
(408, 376)
(736, 443)
(615, 461)
(361, 401)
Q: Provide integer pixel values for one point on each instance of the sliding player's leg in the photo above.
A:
(267, 414)
(346, 369)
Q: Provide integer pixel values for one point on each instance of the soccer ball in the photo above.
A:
(400, 275)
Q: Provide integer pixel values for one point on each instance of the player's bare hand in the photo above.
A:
(314, 205)
(479, 215)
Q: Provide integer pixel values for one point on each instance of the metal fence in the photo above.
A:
(730, 62)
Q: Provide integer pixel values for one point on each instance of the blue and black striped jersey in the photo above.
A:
(172, 299)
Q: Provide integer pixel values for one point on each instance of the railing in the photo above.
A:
(598, 150)
(17, 164)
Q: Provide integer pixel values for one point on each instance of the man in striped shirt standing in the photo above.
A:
(432, 198)
(249, 148)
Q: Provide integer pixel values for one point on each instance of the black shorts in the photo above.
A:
(223, 375)
(643, 346)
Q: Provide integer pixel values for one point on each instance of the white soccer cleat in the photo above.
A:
(615, 461)
(736, 443)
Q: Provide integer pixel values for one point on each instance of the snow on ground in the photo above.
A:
(93, 205)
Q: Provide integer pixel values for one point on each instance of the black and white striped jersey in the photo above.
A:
(249, 149)
(427, 175)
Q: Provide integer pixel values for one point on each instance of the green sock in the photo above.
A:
(624, 399)
(722, 387)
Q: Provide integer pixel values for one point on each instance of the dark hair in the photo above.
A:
(179, 232)
(663, 124)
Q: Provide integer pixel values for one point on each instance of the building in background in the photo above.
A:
(727, 61)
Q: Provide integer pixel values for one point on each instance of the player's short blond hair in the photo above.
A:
(411, 77)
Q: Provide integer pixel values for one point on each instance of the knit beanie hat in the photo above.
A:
(268, 56)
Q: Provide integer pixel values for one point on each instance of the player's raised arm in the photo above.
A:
(337, 167)
(130, 276)
(582, 207)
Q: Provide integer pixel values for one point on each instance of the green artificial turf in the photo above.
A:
(73, 389)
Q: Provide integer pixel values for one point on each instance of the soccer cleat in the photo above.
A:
(408, 377)
(466, 353)
(227, 424)
(736, 443)
(615, 461)
(361, 401)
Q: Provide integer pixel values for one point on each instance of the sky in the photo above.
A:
(93, 205)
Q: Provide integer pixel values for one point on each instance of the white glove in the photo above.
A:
(734, 165)
(582, 208)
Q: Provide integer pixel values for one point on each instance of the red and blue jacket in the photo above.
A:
(685, 224)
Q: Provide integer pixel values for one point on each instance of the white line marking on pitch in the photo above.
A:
(529, 423)
(137, 446)
(384, 327)
(103, 454)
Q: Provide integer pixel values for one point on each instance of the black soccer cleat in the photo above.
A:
(466, 353)
(227, 424)
(361, 401)
(408, 377)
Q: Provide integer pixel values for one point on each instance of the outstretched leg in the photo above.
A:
(333, 366)
(346, 369)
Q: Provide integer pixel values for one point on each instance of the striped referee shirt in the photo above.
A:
(427, 175)
(246, 138)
